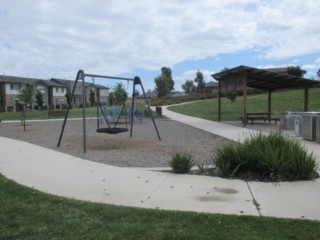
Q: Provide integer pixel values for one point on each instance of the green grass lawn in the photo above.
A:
(73, 113)
(282, 101)
(34, 115)
(28, 214)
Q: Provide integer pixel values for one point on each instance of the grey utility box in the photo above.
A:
(318, 128)
(309, 123)
(298, 126)
(288, 120)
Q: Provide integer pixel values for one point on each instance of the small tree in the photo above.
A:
(224, 69)
(26, 93)
(68, 96)
(39, 99)
(188, 87)
(92, 98)
(118, 95)
(200, 81)
(136, 93)
(231, 95)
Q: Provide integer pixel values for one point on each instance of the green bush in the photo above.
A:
(181, 162)
(270, 156)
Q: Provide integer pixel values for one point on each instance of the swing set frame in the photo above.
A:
(81, 75)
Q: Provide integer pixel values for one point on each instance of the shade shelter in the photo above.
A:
(241, 78)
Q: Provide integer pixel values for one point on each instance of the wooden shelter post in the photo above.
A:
(219, 101)
(306, 99)
(244, 94)
(269, 101)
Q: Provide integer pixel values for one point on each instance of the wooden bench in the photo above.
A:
(261, 116)
(56, 113)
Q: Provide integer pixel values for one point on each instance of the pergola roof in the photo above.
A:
(266, 79)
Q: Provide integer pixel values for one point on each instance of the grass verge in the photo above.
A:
(28, 214)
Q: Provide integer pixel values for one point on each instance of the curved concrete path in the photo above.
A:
(64, 175)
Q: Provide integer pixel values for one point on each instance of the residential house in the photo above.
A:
(53, 92)
(211, 87)
(101, 92)
(10, 87)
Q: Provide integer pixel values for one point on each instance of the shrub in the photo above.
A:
(273, 156)
(181, 162)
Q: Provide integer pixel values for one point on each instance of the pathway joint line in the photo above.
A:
(253, 199)
(154, 190)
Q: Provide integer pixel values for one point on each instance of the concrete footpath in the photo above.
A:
(64, 175)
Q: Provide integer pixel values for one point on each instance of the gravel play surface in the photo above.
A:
(142, 150)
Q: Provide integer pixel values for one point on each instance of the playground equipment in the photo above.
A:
(110, 130)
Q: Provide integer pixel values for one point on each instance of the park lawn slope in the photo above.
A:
(291, 100)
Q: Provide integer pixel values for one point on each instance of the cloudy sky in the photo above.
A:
(45, 39)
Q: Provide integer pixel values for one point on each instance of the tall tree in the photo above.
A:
(200, 81)
(26, 93)
(164, 82)
(188, 87)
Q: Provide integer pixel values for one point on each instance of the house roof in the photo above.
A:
(266, 79)
(60, 82)
(19, 80)
(212, 84)
(70, 82)
(53, 82)
(101, 86)
(277, 70)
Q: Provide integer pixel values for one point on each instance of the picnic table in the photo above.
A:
(56, 113)
(260, 116)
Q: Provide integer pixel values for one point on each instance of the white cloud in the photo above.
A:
(317, 61)
(116, 36)
(287, 29)
(309, 66)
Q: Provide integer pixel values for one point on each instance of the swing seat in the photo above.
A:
(112, 130)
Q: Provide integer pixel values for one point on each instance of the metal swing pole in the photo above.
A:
(84, 130)
(138, 81)
(132, 108)
(79, 75)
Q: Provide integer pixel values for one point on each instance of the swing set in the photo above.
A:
(109, 130)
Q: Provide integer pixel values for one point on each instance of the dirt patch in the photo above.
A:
(142, 150)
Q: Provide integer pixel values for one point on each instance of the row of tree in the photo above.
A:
(165, 83)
